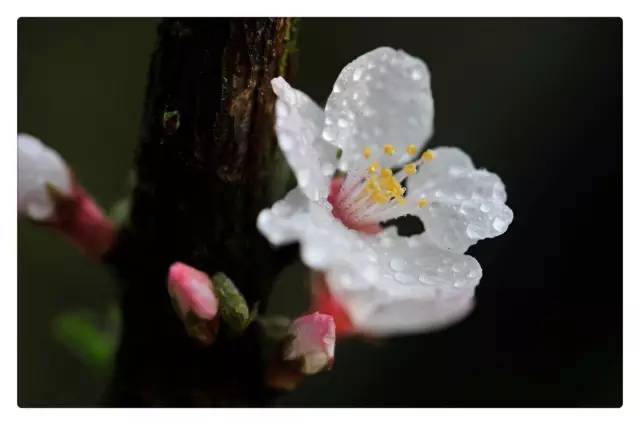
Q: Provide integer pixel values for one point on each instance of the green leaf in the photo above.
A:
(90, 341)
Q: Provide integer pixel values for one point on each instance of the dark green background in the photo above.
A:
(537, 101)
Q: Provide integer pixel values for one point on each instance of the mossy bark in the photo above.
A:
(206, 164)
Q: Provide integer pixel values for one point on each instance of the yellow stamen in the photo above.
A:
(428, 155)
(374, 167)
(366, 153)
(423, 202)
(412, 149)
(389, 149)
(410, 169)
(386, 172)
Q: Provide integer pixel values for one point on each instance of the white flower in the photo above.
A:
(380, 115)
(38, 167)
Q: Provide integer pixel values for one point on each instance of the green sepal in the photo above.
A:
(233, 309)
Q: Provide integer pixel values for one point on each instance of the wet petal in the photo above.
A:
(417, 287)
(298, 126)
(383, 97)
(465, 204)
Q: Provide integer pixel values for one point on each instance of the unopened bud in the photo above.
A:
(308, 348)
(195, 301)
(313, 339)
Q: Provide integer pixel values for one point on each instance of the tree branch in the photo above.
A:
(207, 163)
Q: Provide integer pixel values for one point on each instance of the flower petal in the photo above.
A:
(419, 287)
(286, 219)
(465, 204)
(383, 97)
(39, 166)
(298, 126)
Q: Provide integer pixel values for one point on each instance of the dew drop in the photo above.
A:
(472, 233)
(499, 224)
(473, 274)
(459, 284)
(416, 75)
(357, 74)
(424, 278)
(484, 207)
(398, 264)
(329, 134)
(342, 123)
(402, 277)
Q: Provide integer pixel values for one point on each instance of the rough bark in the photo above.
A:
(206, 164)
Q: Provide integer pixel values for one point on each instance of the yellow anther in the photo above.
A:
(366, 153)
(374, 167)
(389, 149)
(410, 169)
(412, 149)
(386, 172)
(428, 155)
(423, 202)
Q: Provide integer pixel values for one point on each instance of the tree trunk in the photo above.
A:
(207, 163)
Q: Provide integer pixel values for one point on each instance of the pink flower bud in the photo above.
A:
(313, 342)
(195, 301)
(48, 194)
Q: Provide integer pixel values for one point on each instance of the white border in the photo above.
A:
(8, 244)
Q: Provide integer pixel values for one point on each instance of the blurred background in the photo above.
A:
(538, 101)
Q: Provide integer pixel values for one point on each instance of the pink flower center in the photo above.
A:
(342, 212)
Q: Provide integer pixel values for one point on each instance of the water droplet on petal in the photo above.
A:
(424, 278)
(402, 277)
(329, 134)
(357, 74)
(459, 284)
(473, 274)
(398, 264)
(499, 224)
